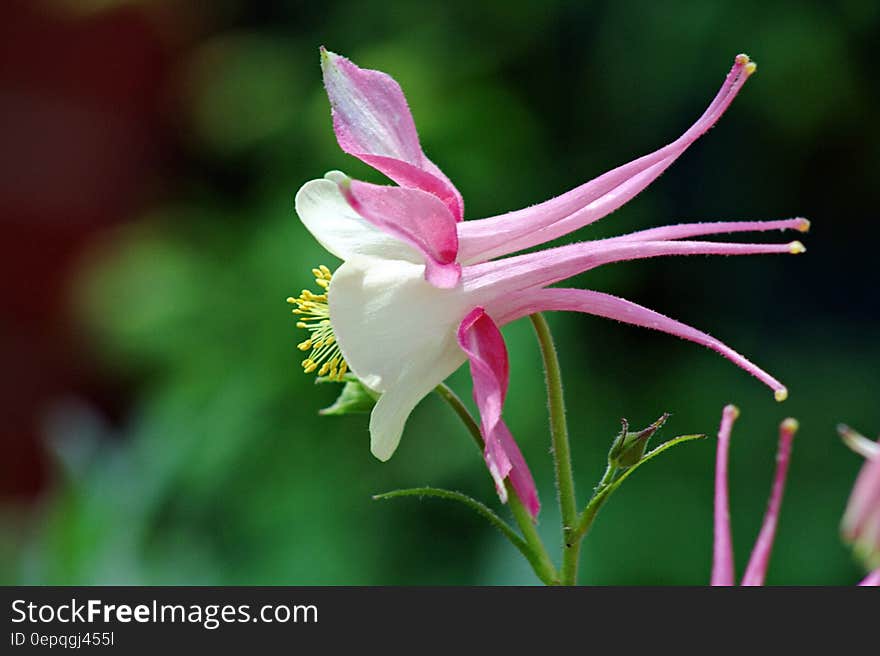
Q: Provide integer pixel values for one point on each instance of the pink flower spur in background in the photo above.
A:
(420, 292)
(864, 506)
(861, 521)
(722, 561)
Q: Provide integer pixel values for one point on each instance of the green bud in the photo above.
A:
(629, 447)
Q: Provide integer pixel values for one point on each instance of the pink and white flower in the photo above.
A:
(420, 291)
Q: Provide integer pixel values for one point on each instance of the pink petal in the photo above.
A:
(483, 344)
(861, 522)
(549, 266)
(873, 579)
(520, 476)
(760, 558)
(372, 121)
(722, 551)
(415, 217)
(509, 308)
(688, 230)
(488, 238)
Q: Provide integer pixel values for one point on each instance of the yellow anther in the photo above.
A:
(742, 59)
(781, 394)
(803, 225)
(796, 247)
(751, 67)
(790, 425)
(291, 300)
(325, 356)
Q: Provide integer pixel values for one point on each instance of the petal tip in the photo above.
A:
(744, 61)
(381, 452)
(790, 425)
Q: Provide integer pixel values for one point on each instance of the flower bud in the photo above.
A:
(629, 447)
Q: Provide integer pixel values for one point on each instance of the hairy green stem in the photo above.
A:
(600, 496)
(536, 552)
(451, 495)
(571, 541)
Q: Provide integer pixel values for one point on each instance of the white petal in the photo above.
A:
(397, 334)
(388, 318)
(395, 405)
(328, 216)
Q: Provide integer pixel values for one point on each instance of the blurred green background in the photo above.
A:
(158, 428)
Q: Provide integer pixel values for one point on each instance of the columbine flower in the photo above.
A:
(861, 521)
(722, 561)
(419, 293)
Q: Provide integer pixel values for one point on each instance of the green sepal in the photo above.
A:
(355, 398)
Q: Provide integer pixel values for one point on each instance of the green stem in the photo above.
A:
(537, 552)
(540, 559)
(445, 392)
(600, 496)
(571, 542)
(480, 508)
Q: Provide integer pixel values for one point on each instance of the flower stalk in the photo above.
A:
(561, 450)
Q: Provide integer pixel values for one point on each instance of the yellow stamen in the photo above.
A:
(325, 356)
(781, 394)
(796, 247)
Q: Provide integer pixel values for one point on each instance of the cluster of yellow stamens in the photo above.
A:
(314, 316)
